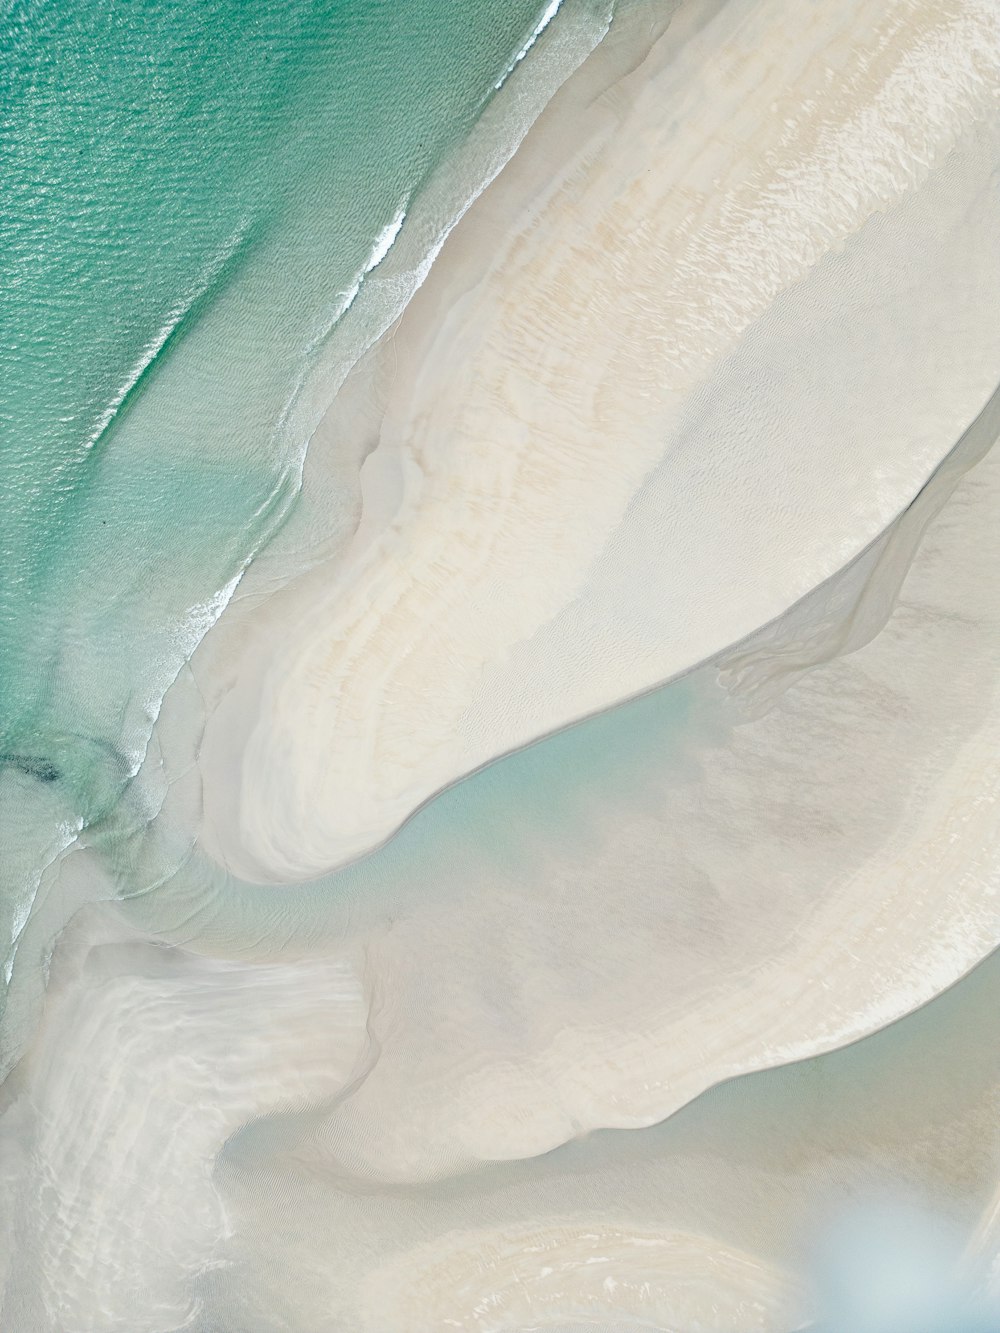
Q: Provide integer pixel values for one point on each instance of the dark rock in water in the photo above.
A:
(42, 769)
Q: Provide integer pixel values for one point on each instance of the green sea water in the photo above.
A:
(192, 192)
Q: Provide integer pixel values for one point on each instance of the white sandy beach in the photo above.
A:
(576, 488)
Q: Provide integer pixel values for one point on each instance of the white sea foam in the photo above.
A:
(549, 13)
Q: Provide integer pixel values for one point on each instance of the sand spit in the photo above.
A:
(549, 525)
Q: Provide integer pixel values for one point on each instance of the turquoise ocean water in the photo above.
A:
(192, 193)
